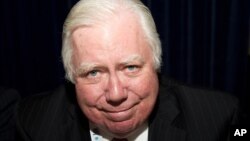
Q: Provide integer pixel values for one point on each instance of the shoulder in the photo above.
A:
(52, 115)
(8, 96)
(207, 99)
(43, 102)
(8, 100)
(197, 96)
(202, 104)
(206, 114)
(42, 112)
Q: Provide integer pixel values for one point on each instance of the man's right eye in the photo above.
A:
(92, 73)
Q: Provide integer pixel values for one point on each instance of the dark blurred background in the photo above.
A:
(205, 43)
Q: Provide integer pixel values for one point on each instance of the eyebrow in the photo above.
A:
(133, 58)
(86, 67)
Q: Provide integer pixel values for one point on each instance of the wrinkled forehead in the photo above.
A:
(120, 29)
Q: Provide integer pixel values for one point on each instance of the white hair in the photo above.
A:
(90, 12)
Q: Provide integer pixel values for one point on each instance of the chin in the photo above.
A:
(124, 128)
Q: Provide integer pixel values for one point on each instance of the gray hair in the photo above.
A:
(90, 12)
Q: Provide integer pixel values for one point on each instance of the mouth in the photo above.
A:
(120, 114)
(118, 110)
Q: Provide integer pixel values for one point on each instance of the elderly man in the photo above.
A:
(111, 54)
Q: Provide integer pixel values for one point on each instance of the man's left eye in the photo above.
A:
(132, 67)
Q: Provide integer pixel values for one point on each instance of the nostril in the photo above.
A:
(116, 102)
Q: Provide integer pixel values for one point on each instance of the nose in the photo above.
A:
(115, 90)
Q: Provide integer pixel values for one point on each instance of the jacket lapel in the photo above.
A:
(78, 124)
(163, 131)
(166, 122)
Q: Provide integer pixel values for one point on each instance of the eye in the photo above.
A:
(91, 77)
(92, 73)
(132, 67)
(132, 70)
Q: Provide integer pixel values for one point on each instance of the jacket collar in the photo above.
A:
(167, 121)
(78, 122)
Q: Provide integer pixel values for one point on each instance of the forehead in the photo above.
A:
(120, 36)
(123, 26)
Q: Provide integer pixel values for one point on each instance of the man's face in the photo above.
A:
(116, 83)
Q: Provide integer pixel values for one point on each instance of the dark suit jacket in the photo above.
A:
(8, 100)
(181, 113)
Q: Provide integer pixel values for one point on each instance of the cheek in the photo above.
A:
(144, 86)
(147, 89)
(87, 95)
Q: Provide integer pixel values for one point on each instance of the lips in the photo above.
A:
(117, 110)
(118, 114)
(108, 108)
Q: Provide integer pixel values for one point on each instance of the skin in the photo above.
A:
(116, 83)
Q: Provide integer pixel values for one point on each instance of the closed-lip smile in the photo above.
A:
(120, 114)
(119, 110)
